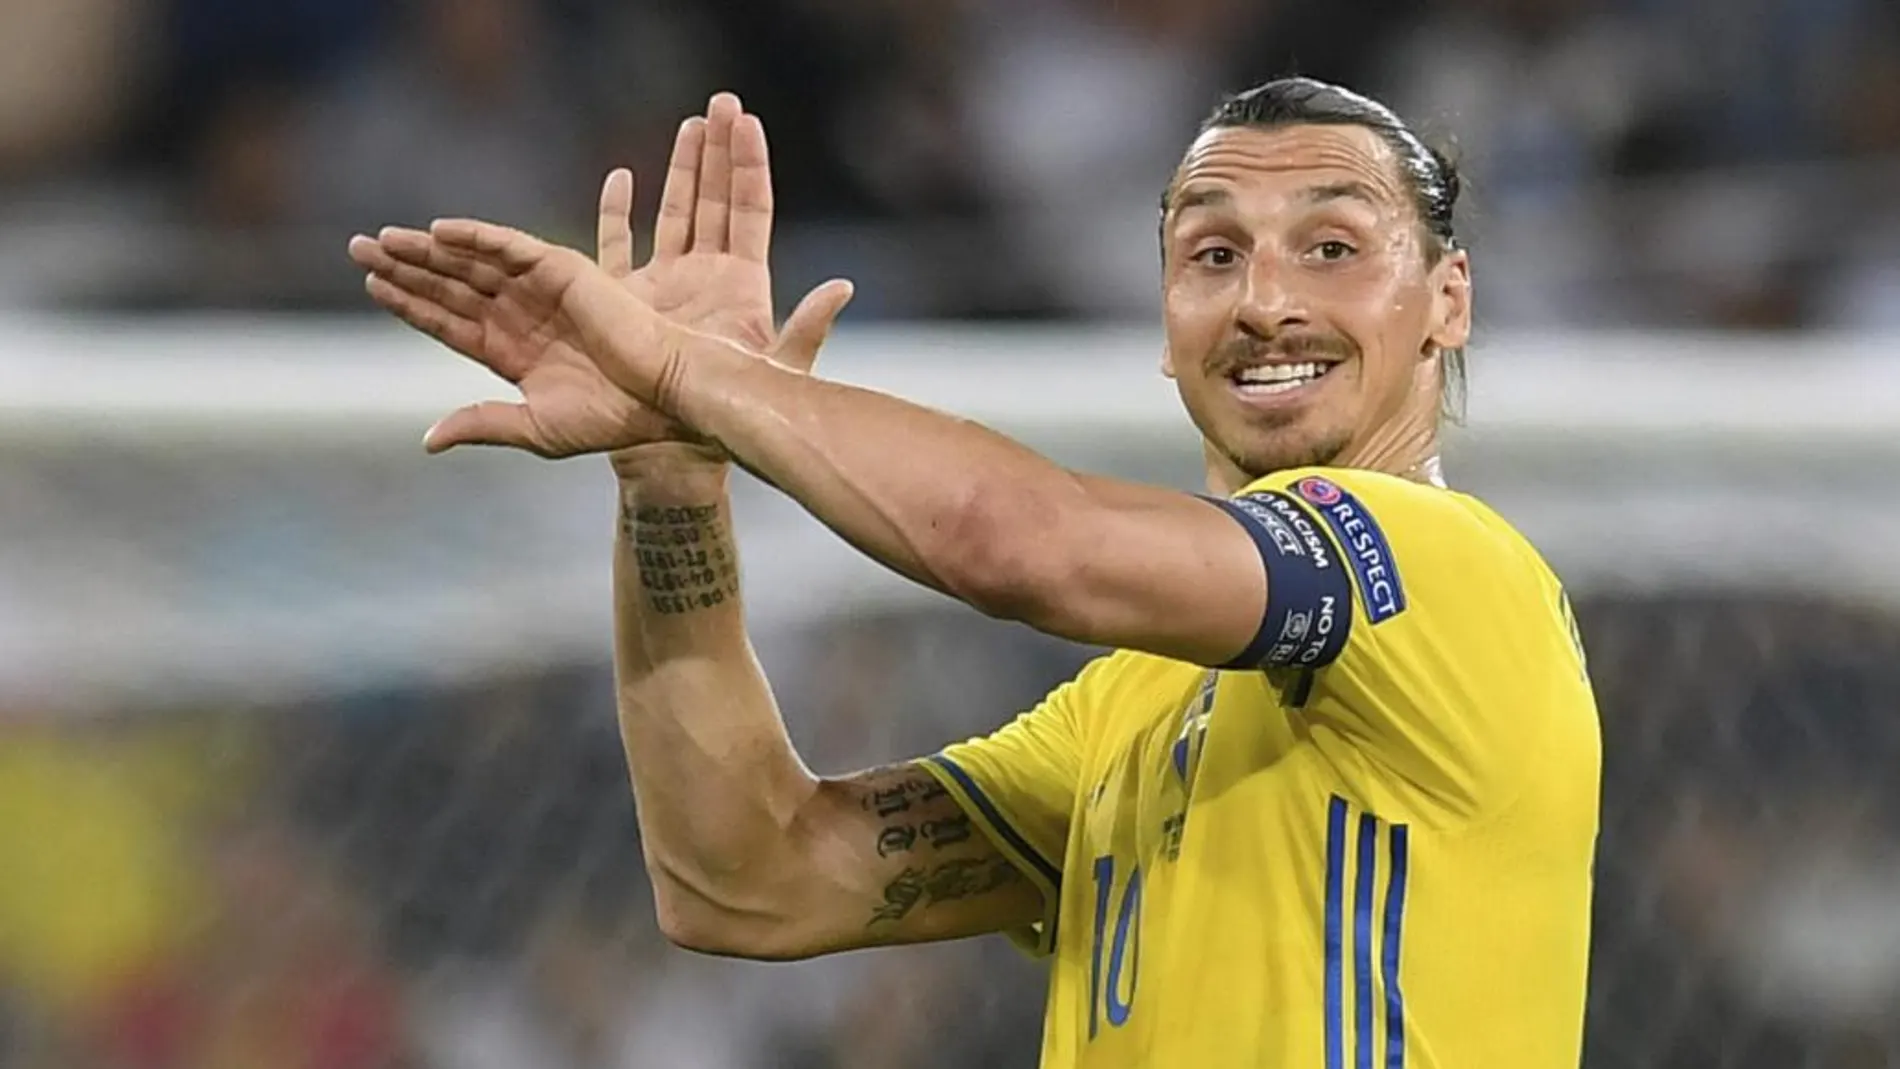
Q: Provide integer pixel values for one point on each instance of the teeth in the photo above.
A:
(1277, 374)
(1272, 387)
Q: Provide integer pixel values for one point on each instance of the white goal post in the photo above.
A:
(223, 501)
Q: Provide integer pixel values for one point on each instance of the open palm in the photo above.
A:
(708, 272)
(713, 235)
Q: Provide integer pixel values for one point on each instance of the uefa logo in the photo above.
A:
(1321, 492)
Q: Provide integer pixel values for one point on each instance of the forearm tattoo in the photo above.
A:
(685, 556)
(919, 819)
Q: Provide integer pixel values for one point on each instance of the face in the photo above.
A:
(1304, 316)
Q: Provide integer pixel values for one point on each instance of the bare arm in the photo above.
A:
(750, 854)
(943, 501)
(969, 512)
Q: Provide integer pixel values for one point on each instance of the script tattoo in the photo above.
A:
(943, 858)
(949, 881)
(896, 839)
(900, 838)
(946, 832)
(901, 895)
(684, 554)
(894, 798)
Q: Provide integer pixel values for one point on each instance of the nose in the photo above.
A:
(1271, 304)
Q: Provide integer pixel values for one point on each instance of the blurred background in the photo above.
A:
(307, 752)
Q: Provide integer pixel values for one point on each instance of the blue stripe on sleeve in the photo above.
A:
(995, 819)
(1389, 964)
(1362, 942)
(1335, 895)
(1309, 595)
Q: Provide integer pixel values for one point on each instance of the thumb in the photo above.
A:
(810, 324)
(500, 423)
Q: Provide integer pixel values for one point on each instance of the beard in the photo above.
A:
(1266, 444)
(1292, 450)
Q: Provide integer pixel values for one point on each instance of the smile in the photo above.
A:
(1278, 381)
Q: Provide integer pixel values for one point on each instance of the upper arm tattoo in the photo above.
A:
(931, 853)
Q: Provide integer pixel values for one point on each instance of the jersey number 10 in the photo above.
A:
(1106, 997)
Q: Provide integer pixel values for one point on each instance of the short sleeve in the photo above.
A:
(1444, 661)
(1019, 785)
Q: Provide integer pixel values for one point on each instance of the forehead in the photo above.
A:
(1283, 160)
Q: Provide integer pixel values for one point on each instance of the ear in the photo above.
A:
(1450, 326)
(1167, 360)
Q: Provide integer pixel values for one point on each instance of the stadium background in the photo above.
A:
(307, 755)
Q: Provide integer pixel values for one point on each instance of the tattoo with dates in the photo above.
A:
(685, 556)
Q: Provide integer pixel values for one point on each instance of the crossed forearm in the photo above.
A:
(714, 775)
(748, 852)
(943, 501)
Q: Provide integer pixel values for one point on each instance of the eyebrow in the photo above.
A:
(1350, 190)
(1220, 197)
(1204, 197)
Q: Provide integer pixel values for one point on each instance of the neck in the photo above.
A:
(1406, 447)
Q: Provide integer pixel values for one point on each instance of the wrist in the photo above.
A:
(678, 466)
(709, 384)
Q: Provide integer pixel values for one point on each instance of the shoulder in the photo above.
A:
(1371, 504)
(1342, 490)
(1387, 527)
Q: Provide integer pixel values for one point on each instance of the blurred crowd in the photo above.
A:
(445, 877)
(1657, 162)
(451, 879)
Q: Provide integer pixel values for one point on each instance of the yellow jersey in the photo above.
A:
(1365, 844)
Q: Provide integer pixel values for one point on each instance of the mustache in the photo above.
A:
(1247, 350)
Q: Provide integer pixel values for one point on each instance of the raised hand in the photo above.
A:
(463, 277)
(708, 272)
(713, 235)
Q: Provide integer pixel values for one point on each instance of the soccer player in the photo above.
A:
(1333, 800)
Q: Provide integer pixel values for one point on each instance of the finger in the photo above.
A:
(462, 335)
(810, 324)
(515, 251)
(453, 297)
(419, 249)
(502, 423)
(712, 219)
(613, 244)
(673, 229)
(751, 235)
(451, 293)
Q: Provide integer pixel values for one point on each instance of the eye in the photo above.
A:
(1216, 256)
(1332, 251)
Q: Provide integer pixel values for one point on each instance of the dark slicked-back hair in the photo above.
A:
(1429, 174)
